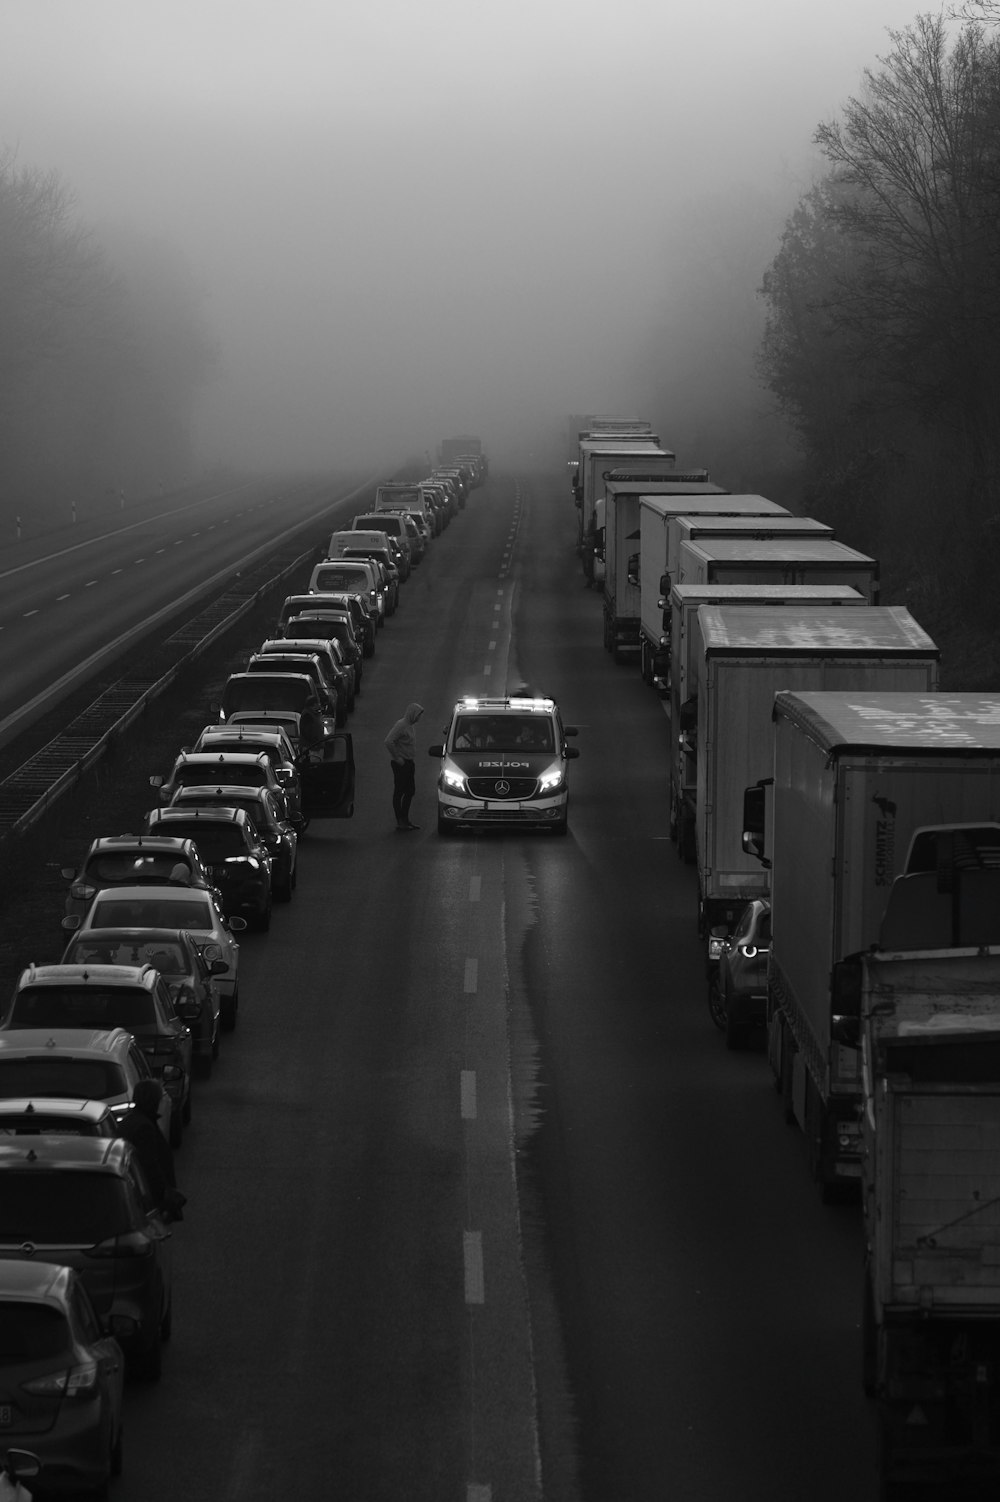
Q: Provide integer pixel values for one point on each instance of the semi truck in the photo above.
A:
(775, 560)
(618, 543)
(680, 677)
(922, 1008)
(655, 513)
(741, 656)
(856, 776)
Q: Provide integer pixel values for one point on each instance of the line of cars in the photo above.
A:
(148, 982)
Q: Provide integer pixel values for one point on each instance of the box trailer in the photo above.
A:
(856, 778)
(655, 513)
(775, 560)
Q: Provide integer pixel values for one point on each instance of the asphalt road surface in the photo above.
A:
(479, 1206)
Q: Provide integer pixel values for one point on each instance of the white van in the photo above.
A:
(361, 573)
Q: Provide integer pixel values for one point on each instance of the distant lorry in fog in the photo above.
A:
(600, 455)
(858, 778)
(656, 510)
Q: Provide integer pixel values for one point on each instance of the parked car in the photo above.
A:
(108, 996)
(131, 859)
(503, 764)
(61, 1378)
(199, 912)
(32, 1115)
(738, 987)
(78, 1063)
(205, 768)
(267, 818)
(353, 601)
(234, 853)
(290, 660)
(333, 624)
(338, 670)
(189, 971)
(350, 575)
(276, 745)
(83, 1202)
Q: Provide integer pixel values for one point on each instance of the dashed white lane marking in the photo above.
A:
(61, 597)
(487, 670)
(492, 647)
(474, 1492)
(27, 613)
(499, 592)
(115, 571)
(471, 977)
(140, 560)
(468, 1094)
(475, 888)
(90, 584)
(472, 1252)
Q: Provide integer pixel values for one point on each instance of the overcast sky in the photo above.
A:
(406, 219)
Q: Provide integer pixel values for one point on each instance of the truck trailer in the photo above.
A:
(922, 1007)
(655, 513)
(598, 455)
(681, 676)
(856, 777)
(775, 560)
(741, 656)
(618, 545)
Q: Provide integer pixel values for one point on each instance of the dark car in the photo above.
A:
(107, 996)
(233, 851)
(353, 602)
(189, 970)
(289, 660)
(200, 768)
(338, 671)
(332, 624)
(131, 859)
(738, 987)
(503, 764)
(61, 1378)
(294, 692)
(83, 1202)
(276, 745)
(268, 819)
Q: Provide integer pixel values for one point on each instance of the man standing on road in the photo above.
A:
(401, 744)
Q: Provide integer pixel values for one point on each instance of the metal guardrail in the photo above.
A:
(32, 789)
(27, 793)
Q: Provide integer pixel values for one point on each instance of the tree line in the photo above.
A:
(882, 340)
(102, 351)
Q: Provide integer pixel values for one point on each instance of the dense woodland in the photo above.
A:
(882, 343)
(102, 353)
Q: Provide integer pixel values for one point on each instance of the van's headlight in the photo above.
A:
(550, 780)
(451, 777)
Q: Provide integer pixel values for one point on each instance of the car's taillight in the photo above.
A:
(129, 1244)
(71, 1382)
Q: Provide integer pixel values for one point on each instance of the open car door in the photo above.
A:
(327, 773)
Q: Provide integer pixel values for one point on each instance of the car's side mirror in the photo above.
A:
(435, 750)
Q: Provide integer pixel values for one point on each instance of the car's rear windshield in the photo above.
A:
(31, 1332)
(39, 1124)
(77, 1079)
(124, 869)
(154, 912)
(502, 733)
(83, 1006)
(216, 842)
(334, 580)
(168, 956)
(264, 691)
(62, 1207)
(234, 774)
